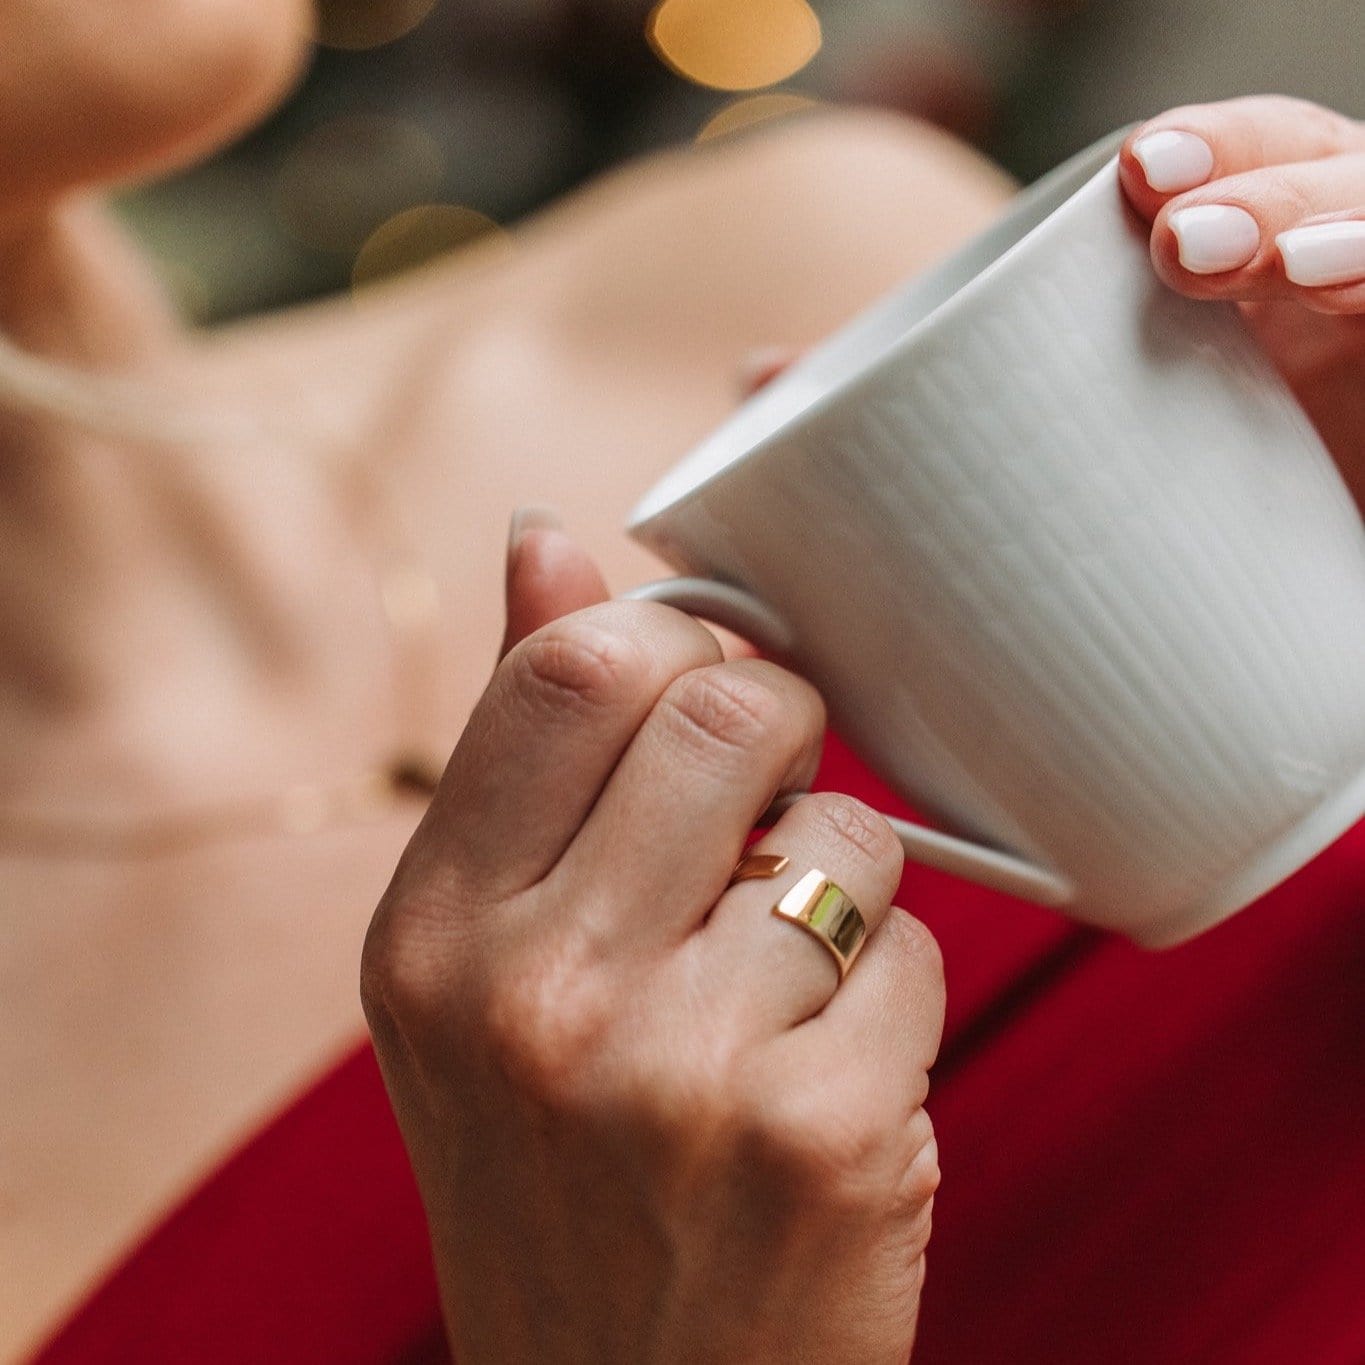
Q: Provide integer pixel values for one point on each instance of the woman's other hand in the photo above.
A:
(1262, 201)
(647, 1121)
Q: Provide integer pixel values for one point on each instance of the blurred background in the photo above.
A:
(423, 124)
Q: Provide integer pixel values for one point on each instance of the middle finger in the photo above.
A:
(720, 743)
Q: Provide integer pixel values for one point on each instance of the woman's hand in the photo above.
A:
(1262, 201)
(647, 1122)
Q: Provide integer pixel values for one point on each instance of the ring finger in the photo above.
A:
(770, 972)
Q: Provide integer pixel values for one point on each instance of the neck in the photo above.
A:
(160, 600)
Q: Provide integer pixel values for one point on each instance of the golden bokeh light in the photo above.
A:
(418, 235)
(356, 25)
(752, 110)
(734, 44)
(348, 175)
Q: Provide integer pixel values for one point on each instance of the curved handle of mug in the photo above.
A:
(745, 615)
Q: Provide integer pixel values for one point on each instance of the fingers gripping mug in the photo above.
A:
(1073, 571)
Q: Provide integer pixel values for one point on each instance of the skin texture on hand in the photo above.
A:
(646, 1125)
(610, 1172)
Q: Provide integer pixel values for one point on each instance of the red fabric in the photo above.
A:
(308, 1246)
(1147, 1158)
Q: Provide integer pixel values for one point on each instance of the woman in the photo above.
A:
(203, 688)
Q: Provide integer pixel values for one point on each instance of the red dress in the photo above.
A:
(1154, 1158)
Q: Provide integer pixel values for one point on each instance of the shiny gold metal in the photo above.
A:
(756, 865)
(823, 910)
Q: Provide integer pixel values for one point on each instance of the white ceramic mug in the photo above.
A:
(1070, 566)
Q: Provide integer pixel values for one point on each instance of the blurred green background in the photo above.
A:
(476, 112)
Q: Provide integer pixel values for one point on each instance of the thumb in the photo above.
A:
(548, 574)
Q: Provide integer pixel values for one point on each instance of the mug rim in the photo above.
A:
(1069, 184)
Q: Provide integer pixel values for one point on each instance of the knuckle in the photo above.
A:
(1334, 131)
(1257, 117)
(1292, 195)
(825, 1155)
(405, 977)
(671, 1099)
(919, 1176)
(579, 664)
(378, 980)
(922, 1179)
(723, 710)
(1261, 109)
(543, 1025)
(858, 828)
(916, 947)
(677, 1089)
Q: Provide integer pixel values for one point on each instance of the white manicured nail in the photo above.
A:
(1174, 161)
(1325, 253)
(1213, 238)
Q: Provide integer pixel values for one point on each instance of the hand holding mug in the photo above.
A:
(646, 1116)
(1261, 201)
(1072, 570)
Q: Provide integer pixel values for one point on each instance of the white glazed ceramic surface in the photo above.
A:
(1070, 566)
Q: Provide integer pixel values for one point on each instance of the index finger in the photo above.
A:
(1197, 143)
(561, 709)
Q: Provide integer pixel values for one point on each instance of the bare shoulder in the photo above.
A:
(576, 359)
(793, 227)
(869, 160)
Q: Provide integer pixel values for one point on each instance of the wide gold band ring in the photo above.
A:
(818, 905)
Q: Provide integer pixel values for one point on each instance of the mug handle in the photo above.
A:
(745, 615)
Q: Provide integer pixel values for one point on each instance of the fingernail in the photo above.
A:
(1173, 161)
(1325, 253)
(531, 518)
(1213, 238)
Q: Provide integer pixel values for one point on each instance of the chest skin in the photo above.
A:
(153, 1013)
(150, 1018)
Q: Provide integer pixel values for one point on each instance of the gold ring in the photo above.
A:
(818, 905)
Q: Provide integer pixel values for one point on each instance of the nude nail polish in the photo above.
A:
(1324, 253)
(1172, 161)
(531, 518)
(1213, 238)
